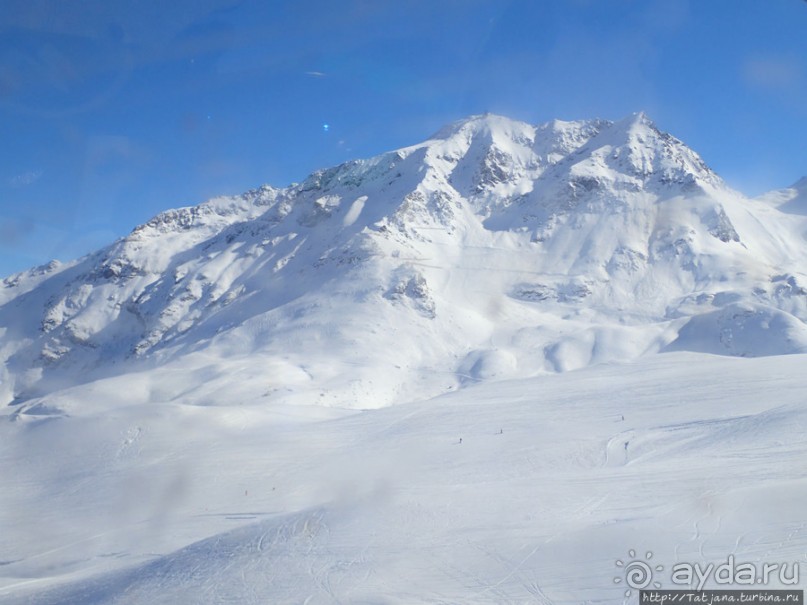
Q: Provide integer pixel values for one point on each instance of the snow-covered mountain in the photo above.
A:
(187, 423)
(495, 249)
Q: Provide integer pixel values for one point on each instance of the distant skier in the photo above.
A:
(460, 439)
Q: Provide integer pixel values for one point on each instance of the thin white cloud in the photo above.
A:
(26, 178)
(315, 74)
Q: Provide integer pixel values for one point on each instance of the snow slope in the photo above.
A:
(689, 456)
(792, 200)
(496, 249)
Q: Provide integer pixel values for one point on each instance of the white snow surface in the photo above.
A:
(129, 499)
(479, 369)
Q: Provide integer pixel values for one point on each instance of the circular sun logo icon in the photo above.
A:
(638, 574)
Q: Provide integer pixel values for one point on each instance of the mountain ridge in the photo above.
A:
(493, 249)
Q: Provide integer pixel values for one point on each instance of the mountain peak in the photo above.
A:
(489, 127)
(637, 126)
(637, 119)
(801, 184)
(635, 145)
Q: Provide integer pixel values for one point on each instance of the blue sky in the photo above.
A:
(112, 111)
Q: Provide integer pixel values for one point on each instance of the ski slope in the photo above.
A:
(690, 456)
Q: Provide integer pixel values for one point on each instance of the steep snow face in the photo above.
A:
(494, 249)
(792, 200)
